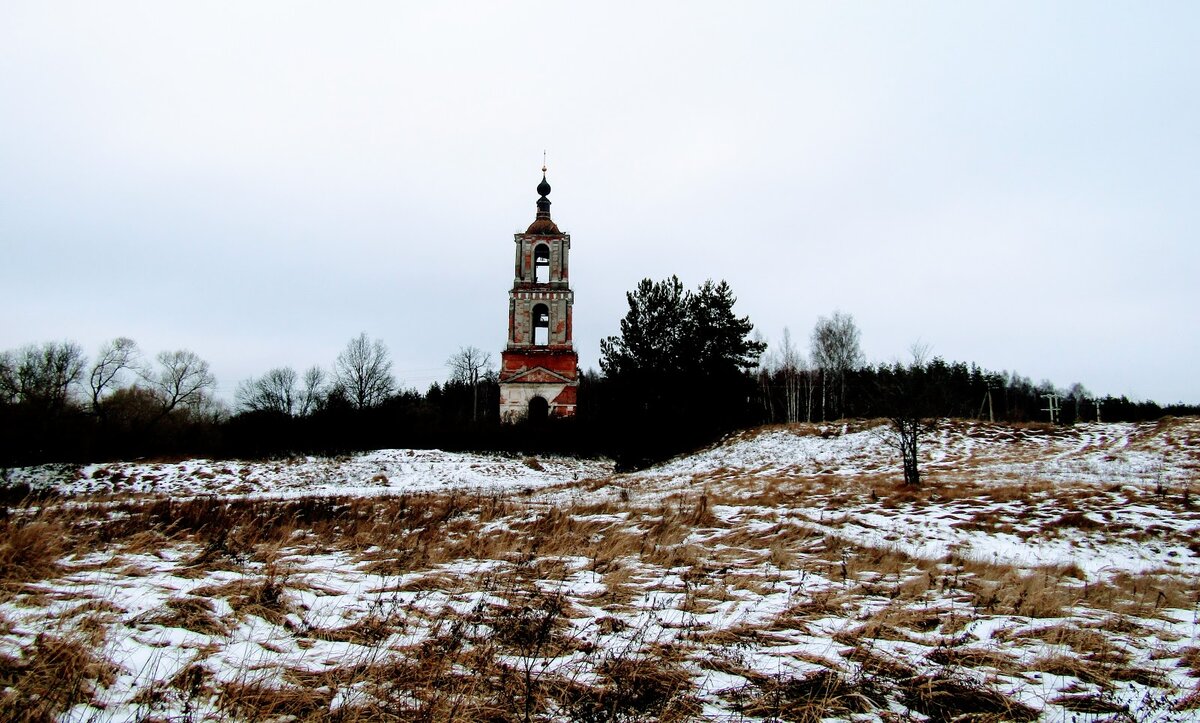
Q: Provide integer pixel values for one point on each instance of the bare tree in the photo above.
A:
(836, 351)
(116, 357)
(910, 429)
(313, 390)
(363, 371)
(466, 365)
(44, 375)
(274, 391)
(914, 402)
(182, 380)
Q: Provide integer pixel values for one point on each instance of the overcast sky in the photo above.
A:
(1014, 184)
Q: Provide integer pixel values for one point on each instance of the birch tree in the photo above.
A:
(835, 351)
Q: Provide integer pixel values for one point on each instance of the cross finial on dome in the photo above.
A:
(543, 189)
(542, 224)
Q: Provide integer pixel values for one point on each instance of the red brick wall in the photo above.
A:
(565, 363)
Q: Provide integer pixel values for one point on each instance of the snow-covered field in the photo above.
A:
(785, 574)
(383, 472)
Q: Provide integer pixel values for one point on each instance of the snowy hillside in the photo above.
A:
(383, 472)
(784, 574)
(973, 472)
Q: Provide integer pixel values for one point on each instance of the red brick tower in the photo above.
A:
(539, 369)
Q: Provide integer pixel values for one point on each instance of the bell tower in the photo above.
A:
(539, 369)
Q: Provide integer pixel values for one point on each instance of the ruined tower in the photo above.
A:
(539, 369)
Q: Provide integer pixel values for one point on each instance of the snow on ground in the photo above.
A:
(1103, 468)
(1038, 572)
(385, 471)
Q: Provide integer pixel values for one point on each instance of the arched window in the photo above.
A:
(541, 264)
(541, 325)
(539, 409)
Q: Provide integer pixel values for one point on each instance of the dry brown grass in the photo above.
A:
(536, 627)
(1006, 589)
(894, 622)
(785, 536)
(1120, 624)
(818, 604)
(748, 582)
(741, 635)
(613, 545)
(1074, 520)
(455, 676)
(876, 630)
(1074, 666)
(646, 688)
(191, 613)
(30, 550)
(1189, 658)
(259, 700)
(1023, 491)
(264, 597)
(976, 658)
(808, 698)
(1143, 594)
(237, 528)
(1189, 702)
(53, 674)
(1082, 640)
(619, 587)
(368, 631)
(881, 564)
(879, 663)
(1089, 703)
(945, 697)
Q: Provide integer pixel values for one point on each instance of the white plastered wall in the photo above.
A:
(515, 398)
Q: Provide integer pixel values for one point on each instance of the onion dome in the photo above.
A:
(543, 224)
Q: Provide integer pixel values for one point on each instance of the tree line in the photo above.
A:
(683, 370)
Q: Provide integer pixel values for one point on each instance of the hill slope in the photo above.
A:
(783, 574)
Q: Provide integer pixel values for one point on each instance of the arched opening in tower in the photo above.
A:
(541, 325)
(539, 409)
(541, 264)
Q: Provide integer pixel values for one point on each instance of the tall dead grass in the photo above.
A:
(52, 674)
(808, 698)
(29, 550)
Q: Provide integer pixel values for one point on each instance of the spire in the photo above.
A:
(542, 224)
(543, 189)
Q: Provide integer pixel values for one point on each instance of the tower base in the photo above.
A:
(536, 384)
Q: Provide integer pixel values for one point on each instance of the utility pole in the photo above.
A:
(987, 400)
(1051, 406)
